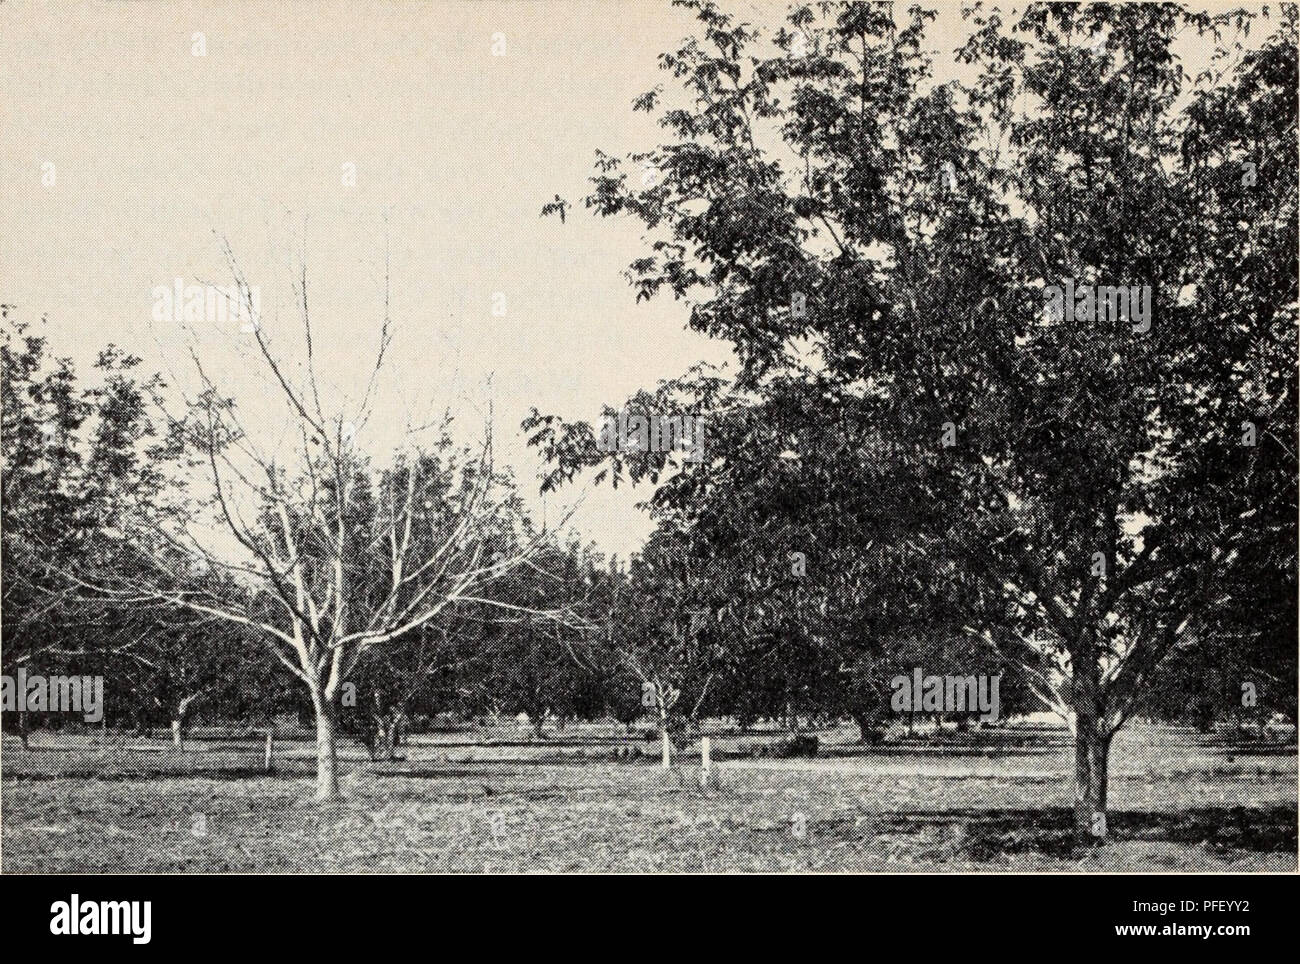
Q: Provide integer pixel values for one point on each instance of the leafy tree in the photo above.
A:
(82, 457)
(892, 243)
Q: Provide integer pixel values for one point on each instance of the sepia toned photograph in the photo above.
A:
(648, 437)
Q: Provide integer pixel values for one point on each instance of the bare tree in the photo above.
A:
(338, 558)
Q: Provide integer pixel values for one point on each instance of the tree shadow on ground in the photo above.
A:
(438, 772)
(236, 773)
(987, 834)
(163, 773)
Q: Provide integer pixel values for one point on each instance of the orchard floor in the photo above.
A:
(496, 800)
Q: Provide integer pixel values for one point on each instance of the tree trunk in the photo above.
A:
(182, 718)
(1090, 771)
(327, 776)
(391, 735)
(1091, 751)
(381, 739)
(19, 721)
(868, 730)
(666, 742)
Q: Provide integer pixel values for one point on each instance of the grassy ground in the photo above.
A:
(498, 801)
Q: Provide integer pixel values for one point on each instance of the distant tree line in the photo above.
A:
(796, 621)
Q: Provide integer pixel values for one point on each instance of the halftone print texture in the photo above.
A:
(648, 437)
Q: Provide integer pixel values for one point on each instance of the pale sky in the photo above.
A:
(155, 151)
